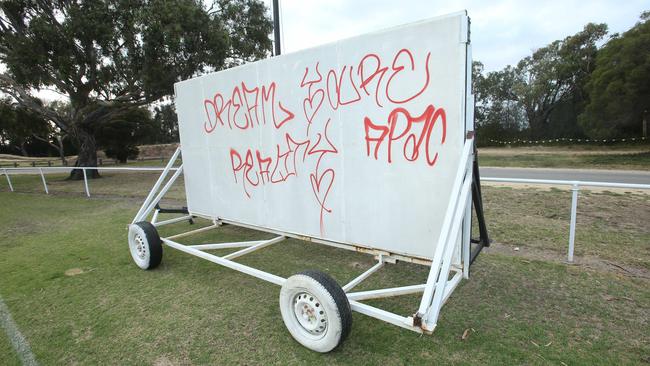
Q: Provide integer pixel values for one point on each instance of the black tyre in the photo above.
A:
(315, 310)
(145, 245)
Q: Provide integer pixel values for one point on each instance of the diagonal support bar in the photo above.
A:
(160, 195)
(158, 183)
(364, 275)
(442, 279)
(386, 292)
(253, 248)
(226, 263)
(239, 244)
(443, 239)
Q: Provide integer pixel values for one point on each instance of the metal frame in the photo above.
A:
(446, 269)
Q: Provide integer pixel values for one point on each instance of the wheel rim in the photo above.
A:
(310, 314)
(140, 247)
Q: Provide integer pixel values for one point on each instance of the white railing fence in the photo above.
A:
(575, 187)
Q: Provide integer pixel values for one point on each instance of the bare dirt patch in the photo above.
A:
(587, 261)
(74, 272)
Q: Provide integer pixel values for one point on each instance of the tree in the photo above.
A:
(619, 87)
(120, 136)
(109, 56)
(556, 73)
(498, 113)
(166, 120)
(19, 126)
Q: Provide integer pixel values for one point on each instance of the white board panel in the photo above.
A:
(355, 142)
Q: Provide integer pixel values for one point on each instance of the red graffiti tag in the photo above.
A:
(241, 109)
(412, 141)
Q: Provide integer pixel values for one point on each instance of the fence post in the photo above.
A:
(572, 229)
(43, 178)
(11, 187)
(86, 182)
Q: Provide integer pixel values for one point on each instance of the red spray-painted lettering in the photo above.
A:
(228, 112)
(413, 141)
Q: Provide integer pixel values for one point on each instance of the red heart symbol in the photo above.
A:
(325, 182)
(316, 100)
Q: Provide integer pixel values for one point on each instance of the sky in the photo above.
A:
(503, 32)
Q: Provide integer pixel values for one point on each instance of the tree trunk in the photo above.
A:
(59, 141)
(23, 150)
(87, 155)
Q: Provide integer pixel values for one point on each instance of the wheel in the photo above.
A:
(315, 310)
(145, 245)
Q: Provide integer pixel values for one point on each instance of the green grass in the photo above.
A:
(519, 311)
(131, 184)
(612, 227)
(636, 161)
(9, 356)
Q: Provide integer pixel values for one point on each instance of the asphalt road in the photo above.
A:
(610, 176)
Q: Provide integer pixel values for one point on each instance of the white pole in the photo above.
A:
(43, 178)
(11, 187)
(467, 237)
(86, 182)
(572, 228)
(165, 188)
(450, 213)
(158, 183)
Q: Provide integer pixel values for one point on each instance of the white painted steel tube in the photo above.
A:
(572, 228)
(192, 232)
(86, 182)
(11, 187)
(160, 195)
(156, 186)
(446, 224)
(254, 247)
(43, 179)
(386, 292)
(466, 246)
(442, 280)
(364, 275)
(384, 315)
(567, 182)
(226, 263)
(68, 168)
(451, 285)
(171, 221)
(240, 244)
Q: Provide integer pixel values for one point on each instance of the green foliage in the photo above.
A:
(111, 55)
(554, 74)
(18, 126)
(498, 113)
(542, 96)
(619, 87)
(166, 121)
(120, 136)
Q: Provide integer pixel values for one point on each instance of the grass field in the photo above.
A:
(562, 158)
(69, 281)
